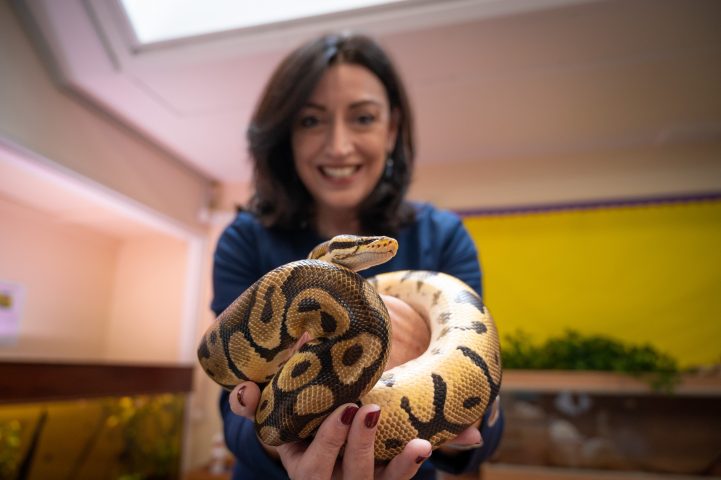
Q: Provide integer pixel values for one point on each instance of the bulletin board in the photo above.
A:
(647, 272)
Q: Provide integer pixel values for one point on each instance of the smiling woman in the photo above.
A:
(333, 124)
(332, 148)
(342, 141)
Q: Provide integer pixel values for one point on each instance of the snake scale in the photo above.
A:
(317, 335)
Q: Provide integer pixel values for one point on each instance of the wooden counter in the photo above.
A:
(604, 383)
(22, 382)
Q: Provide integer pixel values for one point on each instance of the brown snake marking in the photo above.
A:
(435, 396)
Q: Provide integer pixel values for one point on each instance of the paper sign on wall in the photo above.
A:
(11, 303)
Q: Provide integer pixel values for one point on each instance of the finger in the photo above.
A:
(244, 399)
(407, 463)
(467, 439)
(495, 411)
(319, 458)
(359, 454)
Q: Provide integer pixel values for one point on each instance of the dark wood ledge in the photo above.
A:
(22, 382)
(604, 383)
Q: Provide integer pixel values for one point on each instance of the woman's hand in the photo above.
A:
(348, 427)
(353, 429)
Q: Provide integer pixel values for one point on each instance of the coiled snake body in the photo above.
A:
(319, 335)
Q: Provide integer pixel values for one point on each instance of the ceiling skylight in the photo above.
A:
(160, 20)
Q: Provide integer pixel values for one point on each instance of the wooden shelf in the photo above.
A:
(517, 472)
(605, 383)
(22, 382)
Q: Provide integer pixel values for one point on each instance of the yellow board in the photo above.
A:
(640, 274)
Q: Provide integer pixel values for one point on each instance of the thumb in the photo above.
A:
(244, 399)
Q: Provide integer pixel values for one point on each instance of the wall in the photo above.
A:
(35, 113)
(638, 274)
(68, 275)
(642, 274)
(507, 182)
(651, 171)
(145, 311)
(71, 138)
(92, 296)
(89, 295)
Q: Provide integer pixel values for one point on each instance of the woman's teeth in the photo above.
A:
(339, 172)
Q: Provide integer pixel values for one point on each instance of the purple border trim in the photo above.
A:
(592, 204)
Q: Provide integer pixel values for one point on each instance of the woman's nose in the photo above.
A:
(339, 142)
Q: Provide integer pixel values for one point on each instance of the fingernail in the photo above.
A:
(240, 396)
(348, 414)
(372, 418)
(421, 459)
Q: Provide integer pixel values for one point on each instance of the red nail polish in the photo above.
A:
(348, 415)
(372, 418)
(240, 396)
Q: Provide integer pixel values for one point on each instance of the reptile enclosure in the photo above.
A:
(598, 425)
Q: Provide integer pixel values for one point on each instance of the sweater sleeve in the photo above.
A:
(251, 459)
(235, 263)
(458, 256)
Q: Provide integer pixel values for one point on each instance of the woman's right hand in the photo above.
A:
(348, 426)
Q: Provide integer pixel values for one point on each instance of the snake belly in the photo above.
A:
(435, 396)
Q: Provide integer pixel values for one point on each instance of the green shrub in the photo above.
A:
(574, 351)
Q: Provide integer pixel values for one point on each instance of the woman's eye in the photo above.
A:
(308, 121)
(366, 119)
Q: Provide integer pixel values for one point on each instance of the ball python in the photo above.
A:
(317, 335)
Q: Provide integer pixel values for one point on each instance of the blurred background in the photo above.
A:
(580, 140)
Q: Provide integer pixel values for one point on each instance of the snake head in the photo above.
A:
(356, 252)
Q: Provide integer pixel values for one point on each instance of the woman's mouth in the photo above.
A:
(339, 172)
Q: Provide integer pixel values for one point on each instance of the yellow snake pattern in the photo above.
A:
(435, 396)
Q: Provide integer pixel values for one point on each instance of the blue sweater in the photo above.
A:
(246, 250)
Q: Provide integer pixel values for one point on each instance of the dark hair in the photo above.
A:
(280, 199)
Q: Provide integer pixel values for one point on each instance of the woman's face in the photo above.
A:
(342, 137)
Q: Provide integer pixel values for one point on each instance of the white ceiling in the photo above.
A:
(489, 79)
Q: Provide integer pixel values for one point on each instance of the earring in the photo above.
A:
(388, 174)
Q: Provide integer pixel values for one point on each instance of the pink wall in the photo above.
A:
(67, 273)
(68, 130)
(89, 295)
(146, 304)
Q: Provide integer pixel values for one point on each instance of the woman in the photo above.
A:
(331, 140)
